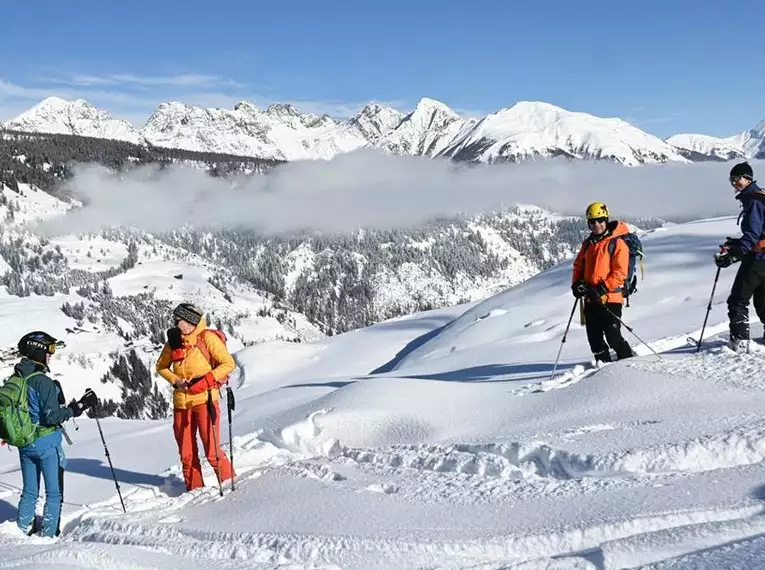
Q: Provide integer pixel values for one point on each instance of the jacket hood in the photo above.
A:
(748, 191)
(191, 338)
(26, 366)
(617, 228)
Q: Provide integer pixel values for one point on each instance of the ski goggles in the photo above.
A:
(49, 347)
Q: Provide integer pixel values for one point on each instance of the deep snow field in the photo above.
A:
(439, 441)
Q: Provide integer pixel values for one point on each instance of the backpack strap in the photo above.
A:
(202, 346)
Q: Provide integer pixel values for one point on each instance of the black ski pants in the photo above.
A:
(599, 323)
(749, 282)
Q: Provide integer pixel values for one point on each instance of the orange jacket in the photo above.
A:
(195, 364)
(595, 265)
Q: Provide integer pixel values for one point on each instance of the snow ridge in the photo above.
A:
(524, 131)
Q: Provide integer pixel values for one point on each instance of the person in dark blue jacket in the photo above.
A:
(750, 250)
(45, 456)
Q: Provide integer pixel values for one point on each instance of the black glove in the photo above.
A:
(77, 408)
(732, 246)
(89, 399)
(174, 338)
(725, 259)
(579, 289)
(595, 292)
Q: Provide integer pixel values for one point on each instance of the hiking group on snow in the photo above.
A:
(197, 363)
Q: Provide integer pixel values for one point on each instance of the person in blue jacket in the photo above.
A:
(45, 456)
(750, 250)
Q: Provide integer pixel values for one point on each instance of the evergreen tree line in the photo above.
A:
(141, 397)
(49, 158)
(340, 289)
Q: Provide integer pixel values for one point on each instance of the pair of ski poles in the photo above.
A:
(213, 416)
(610, 313)
(698, 345)
(231, 403)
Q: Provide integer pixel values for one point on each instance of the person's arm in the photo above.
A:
(51, 411)
(578, 273)
(751, 225)
(163, 366)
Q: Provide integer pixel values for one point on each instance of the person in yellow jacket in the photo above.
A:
(195, 361)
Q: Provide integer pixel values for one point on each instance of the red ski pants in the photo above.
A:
(186, 424)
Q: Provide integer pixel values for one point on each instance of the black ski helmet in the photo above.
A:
(742, 169)
(37, 344)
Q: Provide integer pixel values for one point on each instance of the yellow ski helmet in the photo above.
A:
(596, 210)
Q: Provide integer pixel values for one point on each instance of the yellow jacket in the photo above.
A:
(195, 364)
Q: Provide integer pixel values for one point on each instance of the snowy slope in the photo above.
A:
(749, 144)
(459, 451)
(141, 294)
(521, 132)
(78, 117)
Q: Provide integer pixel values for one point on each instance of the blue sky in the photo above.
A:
(667, 66)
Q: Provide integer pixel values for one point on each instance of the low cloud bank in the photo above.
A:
(371, 189)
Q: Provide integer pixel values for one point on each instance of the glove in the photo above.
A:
(732, 246)
(77, 408)
(595, 292)
(175, 342)
(89, 399)
(579, 289)
(202, 383)
(725, 259)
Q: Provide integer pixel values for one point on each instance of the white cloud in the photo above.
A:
(126, 79)
(372, 189)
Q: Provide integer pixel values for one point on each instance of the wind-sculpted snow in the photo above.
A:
(443, 440)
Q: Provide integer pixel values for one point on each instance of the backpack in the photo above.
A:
(635, 247)
(16, 425)
(202, 346)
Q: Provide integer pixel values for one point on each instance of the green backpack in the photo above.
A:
(16, 425)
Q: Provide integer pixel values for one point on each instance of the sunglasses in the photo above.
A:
(597, 221)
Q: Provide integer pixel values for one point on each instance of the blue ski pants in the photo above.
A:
(43, 457)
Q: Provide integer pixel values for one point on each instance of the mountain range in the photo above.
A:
(524, 131)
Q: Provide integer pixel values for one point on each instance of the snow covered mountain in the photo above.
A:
(78, 117)
(440, 440)
(521, 132)
(531, 129)
(747, 145)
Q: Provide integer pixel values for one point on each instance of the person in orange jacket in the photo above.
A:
(600, 269)
(184, 364)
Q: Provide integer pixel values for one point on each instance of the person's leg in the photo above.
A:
(738, 303)
(50, 462)
(30, 476)
(593, 320)
(185, 437)
(758, 294)
(613, 330)
(210, 434)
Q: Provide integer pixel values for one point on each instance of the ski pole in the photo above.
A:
(709, 308)
(629, 328)
(108, 457)
(563, 340)
(231, 406)
(212, 416)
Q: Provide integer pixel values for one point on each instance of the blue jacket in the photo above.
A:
(752, 218)
(46, 399)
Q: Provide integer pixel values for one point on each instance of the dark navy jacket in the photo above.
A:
(45, 401)
(752, 218)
